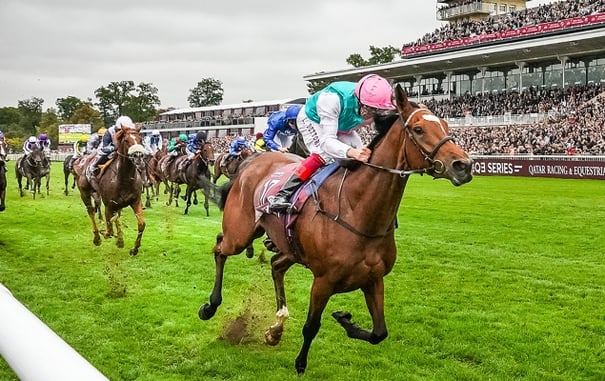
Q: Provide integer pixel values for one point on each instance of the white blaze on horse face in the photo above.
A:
(433, 118)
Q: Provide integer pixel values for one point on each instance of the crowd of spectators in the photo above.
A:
(557, 11)
(531, 100)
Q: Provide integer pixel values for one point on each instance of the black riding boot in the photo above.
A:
(280, 202)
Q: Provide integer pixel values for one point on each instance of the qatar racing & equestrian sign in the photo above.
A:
(568, 167)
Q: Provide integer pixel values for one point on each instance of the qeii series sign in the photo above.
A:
(567, 167)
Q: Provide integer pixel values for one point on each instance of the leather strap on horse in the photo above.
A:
(336, 217)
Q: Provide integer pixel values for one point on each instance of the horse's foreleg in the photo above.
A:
(109, 214)
(374, 296)
(138, 212)
(115, 219)
(67, 184)
(206, 203)
(86, 199)
(280, 263)
(208, 310)
(48, 185)
(187, 197)
(148, 197)
(320, 294)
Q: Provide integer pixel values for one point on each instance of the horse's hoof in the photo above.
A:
(134, 251)
(206, 312)
(97, 241)
(273, 335)
(250, 252)
(2, 208)
(120, 244)
(342, 315)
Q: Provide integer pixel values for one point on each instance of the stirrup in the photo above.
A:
(279, 204)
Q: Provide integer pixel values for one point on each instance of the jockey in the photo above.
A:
(2, 137)
(282, 127)
(95, 139)
(107, 146)
(195, 143)
(327, 124)
(259, 143)
(235, 149)
(80, 148)
(153, 142)
(30, 144)
(175, 148)
(44, 143)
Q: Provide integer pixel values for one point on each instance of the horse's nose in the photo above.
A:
(463, 169)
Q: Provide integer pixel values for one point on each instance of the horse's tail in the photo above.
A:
(224, 190)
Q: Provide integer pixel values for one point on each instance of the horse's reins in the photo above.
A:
(428, 156)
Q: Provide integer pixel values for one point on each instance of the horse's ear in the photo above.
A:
(401, 101)
(138, 126)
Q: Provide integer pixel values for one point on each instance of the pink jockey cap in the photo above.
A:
(374, 91)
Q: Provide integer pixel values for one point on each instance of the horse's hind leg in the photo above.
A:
(374, 295)
(280, 263)
(216, 298)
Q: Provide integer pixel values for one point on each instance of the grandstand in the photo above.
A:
(221, 120)
(521, 87)
(552, 46)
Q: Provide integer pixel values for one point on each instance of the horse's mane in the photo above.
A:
(383, 122)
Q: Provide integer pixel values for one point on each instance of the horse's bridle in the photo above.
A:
(436, 166)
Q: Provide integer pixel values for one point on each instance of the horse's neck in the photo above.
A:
(377, 193)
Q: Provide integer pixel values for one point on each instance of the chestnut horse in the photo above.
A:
(119, 185)
(346, 236)
(3, 156)
(231, 169)
(154, 176)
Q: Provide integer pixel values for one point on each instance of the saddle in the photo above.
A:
(275, 181)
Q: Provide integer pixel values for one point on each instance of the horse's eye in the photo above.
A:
(417, 130)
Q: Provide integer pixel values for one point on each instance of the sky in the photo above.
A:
(260, 50)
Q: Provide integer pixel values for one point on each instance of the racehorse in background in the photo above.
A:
(197, 176)
(68, 169)
(346, 235)
(230, 170)
(33, 167)
(119, 185)
(3, 159)
(154, 176)
(195, 173)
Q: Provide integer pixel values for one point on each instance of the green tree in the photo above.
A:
(111, 99)
(315, 86)
(207, 92)
(87, 114)
(31, 110)
(124, 98)
(143, 104)
(67, 106)
(11, 122)
(377, 56)
(49, 124)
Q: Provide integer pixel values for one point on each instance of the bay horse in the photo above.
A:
(346, 236)
(68, 169)
(154, 176)
(3, 183)
(194, 173)
(33, 167)
(119, 185)
(231, 169)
